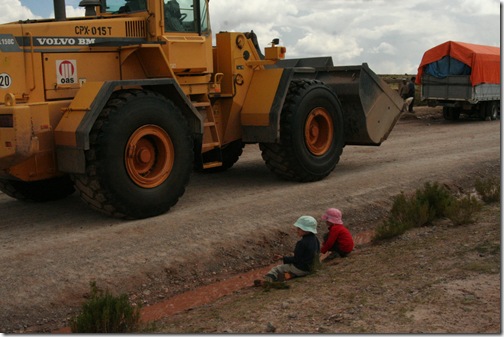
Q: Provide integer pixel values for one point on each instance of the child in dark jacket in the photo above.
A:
(306, 253)
(338, 240)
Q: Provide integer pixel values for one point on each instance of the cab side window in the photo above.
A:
(205, 24)
(180, 16)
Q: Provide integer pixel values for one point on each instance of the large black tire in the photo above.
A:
(492, 110)
(140, 157)
(311, 134)
(38, 191)
(447, 113)
(451, 114)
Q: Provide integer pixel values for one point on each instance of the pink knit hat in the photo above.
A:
(333, 215)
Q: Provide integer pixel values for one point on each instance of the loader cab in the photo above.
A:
(179, 15)
(186, 16)
(188, 36)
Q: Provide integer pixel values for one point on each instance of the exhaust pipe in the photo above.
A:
(59, 10)
(90, 6)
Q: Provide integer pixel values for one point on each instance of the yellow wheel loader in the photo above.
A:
(123, 103)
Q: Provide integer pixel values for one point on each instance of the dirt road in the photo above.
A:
(225, 223)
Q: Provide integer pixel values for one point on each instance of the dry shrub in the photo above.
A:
(462, 211)
(432, 202)
(488, 189)
(105, 313)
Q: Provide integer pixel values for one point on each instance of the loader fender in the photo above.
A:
(260, 115)
(72, 133)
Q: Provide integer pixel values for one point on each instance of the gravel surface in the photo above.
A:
(225, 223)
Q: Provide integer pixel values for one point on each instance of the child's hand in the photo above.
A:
(278, 257)
(324, 255)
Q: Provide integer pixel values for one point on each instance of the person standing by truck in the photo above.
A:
(403, 89)
(411, 93)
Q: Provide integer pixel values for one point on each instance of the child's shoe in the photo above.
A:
(270, 278)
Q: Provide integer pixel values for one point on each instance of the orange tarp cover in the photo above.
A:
(483, 60)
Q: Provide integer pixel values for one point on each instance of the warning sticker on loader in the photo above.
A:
(5, 81)
(66, 71)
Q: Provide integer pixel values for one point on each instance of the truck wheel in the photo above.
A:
(140, 156)
(38, 191)
(451, 114)
(492, 110)
(311, 134)
(447, 115)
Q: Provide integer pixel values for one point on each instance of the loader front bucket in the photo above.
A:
(370, 107)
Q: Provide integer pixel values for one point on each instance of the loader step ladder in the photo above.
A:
(211, 154)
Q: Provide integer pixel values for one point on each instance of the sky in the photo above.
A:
(390, 35)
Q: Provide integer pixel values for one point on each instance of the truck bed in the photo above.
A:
(457, 88)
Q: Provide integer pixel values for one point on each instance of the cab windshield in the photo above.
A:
(125, 6)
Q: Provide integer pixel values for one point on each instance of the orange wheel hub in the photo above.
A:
(319, 131)
(149, 156)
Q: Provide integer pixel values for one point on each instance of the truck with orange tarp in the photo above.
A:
(463, 78)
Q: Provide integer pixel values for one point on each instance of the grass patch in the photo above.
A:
(488, 189)
(105, 313)
(488, 248)
(389, 229)
(434, 201)
(420, 209)
(436, 198)
(483, 267)
(462, 211)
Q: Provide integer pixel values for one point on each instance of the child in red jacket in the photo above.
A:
(338, 240)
